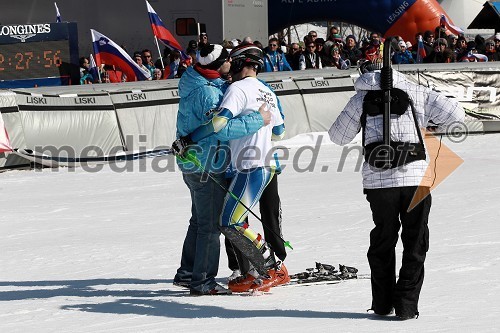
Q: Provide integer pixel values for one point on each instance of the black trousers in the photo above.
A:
(270, 212)
(389, 208)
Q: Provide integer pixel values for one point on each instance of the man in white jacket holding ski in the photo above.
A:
(390, 188)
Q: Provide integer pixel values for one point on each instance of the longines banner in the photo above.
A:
(10, 34)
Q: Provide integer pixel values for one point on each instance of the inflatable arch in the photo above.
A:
(389, 17)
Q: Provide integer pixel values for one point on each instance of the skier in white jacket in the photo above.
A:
(390, 190)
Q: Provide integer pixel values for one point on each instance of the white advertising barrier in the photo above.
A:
(477, 91)
(146, 117)
(12, 121)
(103, 115)
(294, 110)
(324, 99)
(70, 125)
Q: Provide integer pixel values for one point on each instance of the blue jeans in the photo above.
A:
(201, 249)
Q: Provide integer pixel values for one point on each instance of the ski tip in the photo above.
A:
(287, 244)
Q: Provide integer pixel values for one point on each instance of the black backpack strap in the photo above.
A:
(417, 127)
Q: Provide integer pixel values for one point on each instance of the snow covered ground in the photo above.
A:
(88, 251)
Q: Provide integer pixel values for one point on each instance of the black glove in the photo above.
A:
(181, 145)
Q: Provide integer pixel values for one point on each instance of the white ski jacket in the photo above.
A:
(432, 108)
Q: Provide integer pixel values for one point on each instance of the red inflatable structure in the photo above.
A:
(389, 17)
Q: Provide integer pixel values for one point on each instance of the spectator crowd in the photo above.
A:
(314, 52)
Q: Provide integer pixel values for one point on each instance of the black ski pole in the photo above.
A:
(192, 158)
(386, 86)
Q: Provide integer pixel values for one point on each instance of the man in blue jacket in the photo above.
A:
(274, 59)
(201, 89)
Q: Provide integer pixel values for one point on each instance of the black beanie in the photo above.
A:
(212, 56)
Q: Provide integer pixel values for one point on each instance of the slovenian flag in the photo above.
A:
(452, 28)
(476, 57)
(421, 54)
(161, 32)
(109, 53)
(58, 15)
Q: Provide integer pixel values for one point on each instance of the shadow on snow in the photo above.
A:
(146, 302)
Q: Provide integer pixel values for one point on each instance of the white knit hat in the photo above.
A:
(213, 55)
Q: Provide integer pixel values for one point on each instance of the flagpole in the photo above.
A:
(58, 14)
(159, 52)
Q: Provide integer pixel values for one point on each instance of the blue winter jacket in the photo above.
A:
(199, 99)
(403, 58)
(276, 58)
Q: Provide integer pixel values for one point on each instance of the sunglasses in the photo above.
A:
(147, 56)
(313, 35)
(273, 44)
(311, 46)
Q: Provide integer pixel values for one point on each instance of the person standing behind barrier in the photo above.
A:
(85, 75)
(403, 56)
(138, 60)
(164, 63)
(334, 30)
(310, 59)
(428, 41)
(147, 61)
(274, 58)
(156, 74)
(337, 60)
(312, 35)
(390, 191)
(201, 89)
(441, 53)
(496, 39)
(326, 60)
(491, 53)
(292, 56)
(175, 62)
(351, 51)
(203, 40)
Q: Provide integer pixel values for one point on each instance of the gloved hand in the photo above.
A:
(181, 145)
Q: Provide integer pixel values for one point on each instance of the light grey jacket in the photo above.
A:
(432, 108)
